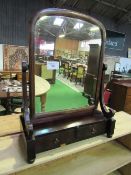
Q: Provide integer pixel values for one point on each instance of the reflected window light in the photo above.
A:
(78, 26)
(95, 28)
(94, 41)
(84, 46)
(58, 21)
(61, 36)
(43, 18)
(47, 46)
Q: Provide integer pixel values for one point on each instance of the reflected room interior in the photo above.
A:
(66, 67)
(66, 63)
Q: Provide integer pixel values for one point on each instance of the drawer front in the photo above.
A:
(62, 137)
(54, 140)
(88, 131)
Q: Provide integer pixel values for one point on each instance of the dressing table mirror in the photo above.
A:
(66, 71)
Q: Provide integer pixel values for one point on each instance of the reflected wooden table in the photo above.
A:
(41, 88)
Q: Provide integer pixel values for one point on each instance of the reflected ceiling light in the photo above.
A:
(58, 21)
(95, 28)
(43, 18)
(78, 25)
(61, 36)
(47, 46)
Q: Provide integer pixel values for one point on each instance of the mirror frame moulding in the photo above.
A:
(72, 14)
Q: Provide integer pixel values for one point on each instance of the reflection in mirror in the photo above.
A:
(66, 63)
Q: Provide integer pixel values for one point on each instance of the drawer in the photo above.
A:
(88, 131)
(54, 140)
(67, 136)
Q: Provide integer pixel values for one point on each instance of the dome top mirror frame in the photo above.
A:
(45, 131)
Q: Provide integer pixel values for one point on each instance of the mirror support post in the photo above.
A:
(25, 119)
(108, 114)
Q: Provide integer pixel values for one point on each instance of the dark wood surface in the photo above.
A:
(51, 135)
(121, 96)
(67, 122)
(90, 82)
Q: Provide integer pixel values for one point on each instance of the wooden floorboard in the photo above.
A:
(100, 160)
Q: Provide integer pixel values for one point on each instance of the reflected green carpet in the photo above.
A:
(61, 97)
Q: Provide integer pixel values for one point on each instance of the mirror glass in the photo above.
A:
(66, 63)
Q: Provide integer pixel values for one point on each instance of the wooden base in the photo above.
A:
(51, 135)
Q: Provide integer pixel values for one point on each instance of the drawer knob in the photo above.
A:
(93, 130)
(57, 141)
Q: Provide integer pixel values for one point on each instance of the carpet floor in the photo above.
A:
(62, 97)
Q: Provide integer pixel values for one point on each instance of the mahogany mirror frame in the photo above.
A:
(92, 122)
(72, 14)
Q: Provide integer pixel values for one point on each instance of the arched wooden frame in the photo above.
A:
(72, 14)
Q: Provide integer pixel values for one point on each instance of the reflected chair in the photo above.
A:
(67, 69)
(61, 68)
(16, 104)
(78, 75)
(12, 104)
(61, 64)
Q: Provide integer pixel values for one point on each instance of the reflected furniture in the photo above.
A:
(61, 63)
(10, 74)
(90, 79)
(67, 69)
(116, 74)
(78, 74)
(90, 82)
(49, 75)
(93, 60)
(42, 86)
(42, 71)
